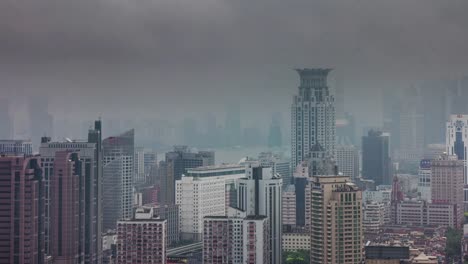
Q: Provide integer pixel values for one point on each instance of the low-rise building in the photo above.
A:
(296, 241)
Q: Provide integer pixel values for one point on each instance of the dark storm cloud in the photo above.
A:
(215, 48)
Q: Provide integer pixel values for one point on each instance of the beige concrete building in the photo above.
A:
(296, 241)
(336, 221)
(288, 202)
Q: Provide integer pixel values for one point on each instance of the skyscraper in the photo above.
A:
(6, 129)
(312, 115)
(142, 239)
(67, 208)
(274, 135)
(255, 243)
(90, 181)
(411, 127)
(336, 221)
(260, 193)
(447, 185)
(177, 161)
(375, 158)
(139, 166)
(118, 161)
(21, 231)
(424, 182)
(41, 122)
(456, 143)
(347, 158)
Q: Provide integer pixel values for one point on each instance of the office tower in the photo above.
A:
(203, 192)
(275, 138)
(177, 161)
(447, 184)
(411, 127)
(346, 130)
(95, 249)
(40, 121)
(6, 128)
(279, 165)
(169, 212)
(67, 225)
(233, 125)
(150, 161)
(118, 159)
(16, 147)
(424, 182)
(375, 158)
(21, 231)
(289, 205)
(312, 115)
(336, 221)
(198, 198)
(91, 180)
(391, 110)
(142, 239)
(347, 159)
(230, 173)
(139, 166)
(260, 193)
(434, 94)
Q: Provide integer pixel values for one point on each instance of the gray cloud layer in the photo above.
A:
(226, 48)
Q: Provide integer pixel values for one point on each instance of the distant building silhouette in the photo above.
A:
(376, 162)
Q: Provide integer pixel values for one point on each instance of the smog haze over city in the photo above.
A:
(173, 59)
(233, 131)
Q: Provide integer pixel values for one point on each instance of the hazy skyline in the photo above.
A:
(177, 58)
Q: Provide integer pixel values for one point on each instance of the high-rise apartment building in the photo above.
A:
(205, 191)
(67, 214)
(223, 238)
(447, 184)
(236, 239)
(256, 246)
(16, 147)
(118, 171)
(91, 181)
(260, 193)
(21, 231)
(312, 115)
(376, 163)
(177, 162)
(336, 221)
(141, 239)
(347, 159)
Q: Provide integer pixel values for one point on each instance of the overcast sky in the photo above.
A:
(140, 57)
